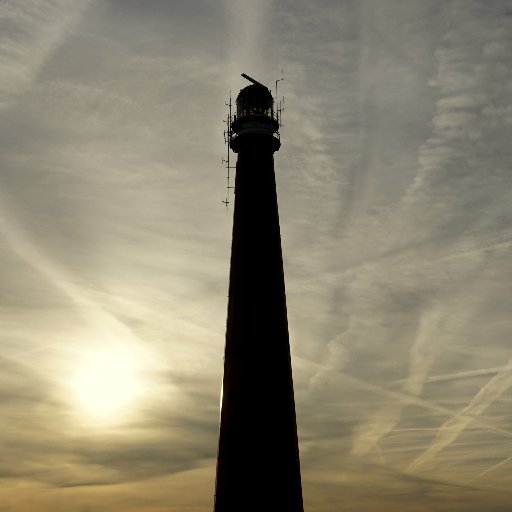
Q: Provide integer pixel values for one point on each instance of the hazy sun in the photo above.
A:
(107, 384)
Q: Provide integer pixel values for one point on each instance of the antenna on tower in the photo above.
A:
(227, 139)
(279, 103)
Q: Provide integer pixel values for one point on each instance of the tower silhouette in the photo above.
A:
(258, 465)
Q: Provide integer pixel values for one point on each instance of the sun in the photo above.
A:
(107, 385)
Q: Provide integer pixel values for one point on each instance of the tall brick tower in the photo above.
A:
(258, 460)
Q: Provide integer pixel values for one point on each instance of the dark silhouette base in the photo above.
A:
(258, 462)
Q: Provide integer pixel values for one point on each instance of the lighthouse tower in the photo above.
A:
(258, 460)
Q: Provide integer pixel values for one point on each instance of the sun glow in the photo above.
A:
(107, 385)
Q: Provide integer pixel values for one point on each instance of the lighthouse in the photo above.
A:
(258, 465)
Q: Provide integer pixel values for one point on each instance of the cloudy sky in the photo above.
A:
(395, 194)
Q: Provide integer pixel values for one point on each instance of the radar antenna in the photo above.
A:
(255, 82)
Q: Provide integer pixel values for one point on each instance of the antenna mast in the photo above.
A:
(280, 103)
(227, 138)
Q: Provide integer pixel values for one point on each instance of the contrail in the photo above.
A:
(44, 25)
(400, 396)
(488, 470)
(248, 23)
(421, 356)
(420, 402)
(464, 375)
(452, 428)
(111, 328)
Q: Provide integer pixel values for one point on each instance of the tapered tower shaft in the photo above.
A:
(258, 460)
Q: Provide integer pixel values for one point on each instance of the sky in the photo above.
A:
(395, 194)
